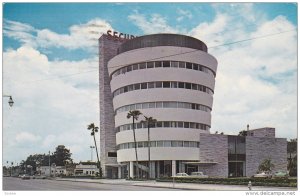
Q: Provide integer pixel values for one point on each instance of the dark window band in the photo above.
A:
(163, 64)
(164, 124)
(162, 84)
(161, 143)
(163, 104)
(165, 39)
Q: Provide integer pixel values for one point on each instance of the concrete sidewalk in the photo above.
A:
(184, 186)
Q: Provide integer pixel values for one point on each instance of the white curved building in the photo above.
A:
(170, 78)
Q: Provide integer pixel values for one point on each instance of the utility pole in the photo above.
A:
(92, 153)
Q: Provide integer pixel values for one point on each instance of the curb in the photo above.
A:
(145, 185)
(93, 182)
(131, 185)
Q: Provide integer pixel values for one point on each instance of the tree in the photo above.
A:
(266, 165)
(135, 115)
(292, 166)
(242, 133)
(32, 161)
(150, 122)
(94, 130)
(292, 146)
(61, 155)
(292, 160)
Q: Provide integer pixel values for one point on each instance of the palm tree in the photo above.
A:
(135, 115)
(150, 122)
(94, 129)
(266, 165)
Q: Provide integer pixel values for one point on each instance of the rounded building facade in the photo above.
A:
(168, 77)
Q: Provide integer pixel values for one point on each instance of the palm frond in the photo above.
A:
(91, 126)
(134, 113)
(129, 114)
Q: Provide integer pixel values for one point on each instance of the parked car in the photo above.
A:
(181, 175)
(263, 175)
(25, 177)
(281, 174)
(198, 175)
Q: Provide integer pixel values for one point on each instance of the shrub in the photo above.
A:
(236, 181)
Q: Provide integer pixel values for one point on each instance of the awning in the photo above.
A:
(115, 164)
(201, 163)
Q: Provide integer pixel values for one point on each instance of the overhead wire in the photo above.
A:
(176, 54)
(225, 44)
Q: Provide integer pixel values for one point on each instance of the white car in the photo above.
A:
(263, 175)
(181, 175)
(25, 177)
(198, 175)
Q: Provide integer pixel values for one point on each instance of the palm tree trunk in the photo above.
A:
(135, 147)
(148, 151)
(97, 153)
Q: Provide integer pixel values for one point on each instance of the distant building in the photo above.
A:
(55, 170)
(86, 169)
(60, 170)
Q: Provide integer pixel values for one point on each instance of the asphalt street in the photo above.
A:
(17, 184)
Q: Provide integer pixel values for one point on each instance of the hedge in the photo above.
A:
(82, 177)
(277, 182)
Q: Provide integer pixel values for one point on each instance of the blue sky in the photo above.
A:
(60, 16)
(50, 66)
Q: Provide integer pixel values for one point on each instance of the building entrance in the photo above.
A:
(191, 168)
(235, 169)
(112, 172)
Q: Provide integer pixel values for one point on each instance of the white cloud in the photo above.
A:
(256, 82)
(55, 109)
(211, 32)
(183, 14)
(19, 31)
(26, 137)
(82, 36)
(155, 24)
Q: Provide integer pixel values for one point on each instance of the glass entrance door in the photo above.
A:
(235, 169)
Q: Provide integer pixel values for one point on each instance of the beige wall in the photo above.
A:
(163, 94)
(159, 153)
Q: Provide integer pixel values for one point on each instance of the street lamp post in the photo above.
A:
(92, 153)
(10, 101)
(49, 166)
(11, 168)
